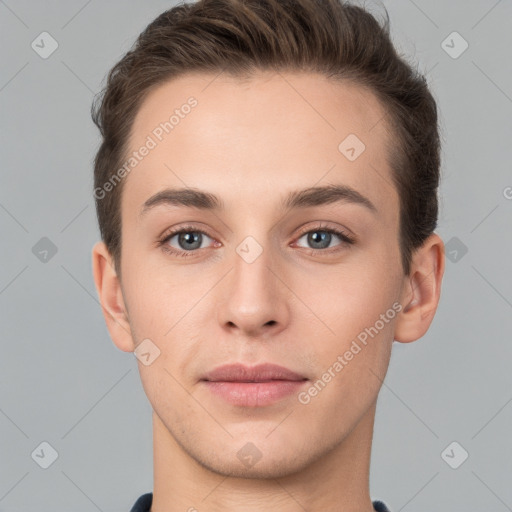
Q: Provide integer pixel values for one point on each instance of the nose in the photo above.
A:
(254, 300)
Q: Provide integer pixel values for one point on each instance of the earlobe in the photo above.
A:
(421, 291)
(111, 298)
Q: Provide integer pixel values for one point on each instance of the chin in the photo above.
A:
(270, 468)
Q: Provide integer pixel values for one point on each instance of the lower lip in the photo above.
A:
(254, 394)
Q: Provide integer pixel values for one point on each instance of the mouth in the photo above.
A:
(255, 386)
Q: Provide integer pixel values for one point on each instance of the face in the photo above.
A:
(264, 269)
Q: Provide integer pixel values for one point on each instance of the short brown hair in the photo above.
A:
(240, 37)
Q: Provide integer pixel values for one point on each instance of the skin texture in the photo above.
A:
(250, 142)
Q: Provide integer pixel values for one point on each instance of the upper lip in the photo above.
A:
(238, 372)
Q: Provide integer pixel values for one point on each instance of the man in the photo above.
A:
(266, 190)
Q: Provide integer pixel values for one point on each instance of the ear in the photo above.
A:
(111, 298)
(421, 291)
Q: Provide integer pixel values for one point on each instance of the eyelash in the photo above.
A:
(163, 243)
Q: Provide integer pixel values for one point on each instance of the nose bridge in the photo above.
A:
(252, 298)
(252, 281)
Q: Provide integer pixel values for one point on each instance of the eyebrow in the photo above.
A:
(305, 198)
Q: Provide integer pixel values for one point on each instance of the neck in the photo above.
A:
(337, 481)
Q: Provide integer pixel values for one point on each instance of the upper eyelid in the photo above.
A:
(322, 227)
(180, 229)
(172, 233)
(190, 228)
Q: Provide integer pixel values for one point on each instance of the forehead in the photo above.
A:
(254, 139)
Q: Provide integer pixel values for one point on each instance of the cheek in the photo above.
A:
(165, 307)
(354, 357)
(351, 295)
(155, 296)
(355, 305)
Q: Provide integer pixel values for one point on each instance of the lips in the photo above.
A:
(265, 372)
(253, 386)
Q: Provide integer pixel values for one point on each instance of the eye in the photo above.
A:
(321, 237)
(188, 240)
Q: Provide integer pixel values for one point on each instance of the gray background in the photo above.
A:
(64, 382)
